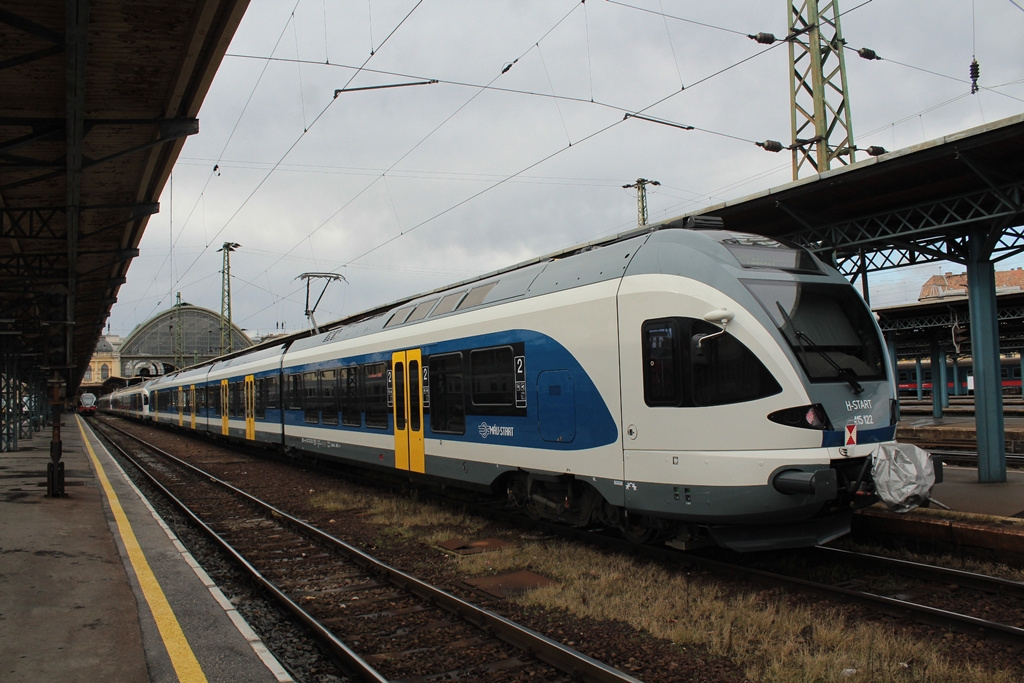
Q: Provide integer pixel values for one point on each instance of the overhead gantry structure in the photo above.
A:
(96, 100)
(959, 198)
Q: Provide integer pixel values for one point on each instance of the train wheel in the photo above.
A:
(639, 528)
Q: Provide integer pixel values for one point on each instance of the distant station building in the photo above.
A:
(182, 336)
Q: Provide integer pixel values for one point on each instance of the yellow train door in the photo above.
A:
(224, 406)
(192, 405)
(406, 367)
(250, 407)
(181, 406)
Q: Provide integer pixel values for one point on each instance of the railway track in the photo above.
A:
(937, 596)
(379, 623)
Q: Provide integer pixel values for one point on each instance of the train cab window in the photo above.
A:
(399, 316)
(476, 296)
(684, 365)
(447, 398)
(329, 397)
(662, 385)
(448, 303)
(310, 398)
(421, 311)
(375, 395)
(492, 376)
(348, 388)
(828, 327)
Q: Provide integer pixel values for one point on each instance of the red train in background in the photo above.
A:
(87, 404)
(1009, 373)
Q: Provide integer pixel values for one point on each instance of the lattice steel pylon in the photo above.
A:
(226, 345)
(822, 128)
(641, 198)
(179, 334)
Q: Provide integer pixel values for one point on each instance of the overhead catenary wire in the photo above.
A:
(299, 138)
(522, 177)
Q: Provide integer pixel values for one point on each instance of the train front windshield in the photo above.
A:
(829, 328)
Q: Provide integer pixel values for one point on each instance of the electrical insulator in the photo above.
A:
(868, 53)
(771, 146)
(975, 73)
(875, 151)
(763, 38)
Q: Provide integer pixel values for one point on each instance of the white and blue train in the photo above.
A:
(678, 381)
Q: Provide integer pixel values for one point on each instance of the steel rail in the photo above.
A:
(981, 582)
(891, 606)
(547, 650)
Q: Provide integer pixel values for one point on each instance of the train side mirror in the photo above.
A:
(719, 316)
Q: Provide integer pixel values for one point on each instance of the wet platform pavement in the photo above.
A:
(96, 588)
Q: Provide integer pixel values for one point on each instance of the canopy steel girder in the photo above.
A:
(946, 319)
(906, 236)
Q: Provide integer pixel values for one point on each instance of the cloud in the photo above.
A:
(406, 189)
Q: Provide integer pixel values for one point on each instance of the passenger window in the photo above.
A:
(351, 413)
(329, 396)
(447, 399)
(376, 398)
(293, 395)
(310, 398)
(261, 398)
(272, 394)
(492, 376)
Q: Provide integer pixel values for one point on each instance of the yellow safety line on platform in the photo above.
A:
(182, 658)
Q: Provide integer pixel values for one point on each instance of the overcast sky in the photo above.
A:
(520, 148)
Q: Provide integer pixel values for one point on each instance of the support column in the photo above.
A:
(920, 379)
(956, 378)
(988, 392)
(9, 411)
(937, 363)
(55, 468)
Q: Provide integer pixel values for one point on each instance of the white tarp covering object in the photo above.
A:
(903, 474)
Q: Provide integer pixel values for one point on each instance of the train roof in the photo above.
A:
(532, 277)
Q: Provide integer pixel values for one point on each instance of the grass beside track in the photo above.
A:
(772, 635)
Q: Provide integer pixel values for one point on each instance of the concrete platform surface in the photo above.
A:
(961, 491)
(94, 587)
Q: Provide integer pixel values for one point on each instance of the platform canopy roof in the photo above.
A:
(96, 100)
(913, 205)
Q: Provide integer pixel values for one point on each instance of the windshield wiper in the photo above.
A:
(846, 374)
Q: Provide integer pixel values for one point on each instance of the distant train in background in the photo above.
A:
(1009, 373)
(87, 404)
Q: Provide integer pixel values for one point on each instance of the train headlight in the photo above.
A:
(804, 417)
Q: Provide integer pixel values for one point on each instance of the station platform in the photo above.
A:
(96, 588)
(960, 490)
